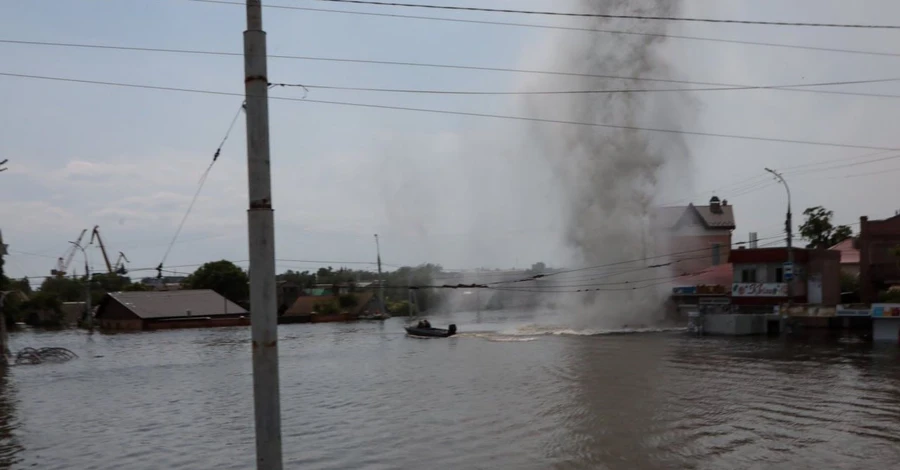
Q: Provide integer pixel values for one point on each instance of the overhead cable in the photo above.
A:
(796, 88)
(559, 27)
(613, 16)
(306, 87)
(469, 114)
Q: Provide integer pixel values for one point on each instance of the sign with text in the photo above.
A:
(756, 289)
(844, 311)
(788, 271)
(885, 310)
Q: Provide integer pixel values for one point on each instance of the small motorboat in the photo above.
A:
(431, 332)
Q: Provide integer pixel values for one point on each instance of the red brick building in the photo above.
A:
(879, 263)
(696, 237)
(759, 279)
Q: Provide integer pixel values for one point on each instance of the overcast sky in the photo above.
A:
(462, 191)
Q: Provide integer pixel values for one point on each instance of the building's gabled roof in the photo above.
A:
(668, 217)
(720, 275)
(849, 253)
(306, 304)
(174, 304)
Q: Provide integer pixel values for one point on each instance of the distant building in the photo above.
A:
(879, 263)
(287, 293)
(164, 283)
(164, 310)
(313, 308)
(695, 237)
(759, 282)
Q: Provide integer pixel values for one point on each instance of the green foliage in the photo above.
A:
(43, 309)
(890, 296)
(65, 289)
(399, 308)
(849, 283)
(348, 301)
(303, 279)
(136, 287)
(22, 285)
(224, 277)
(818, 230)
(4, 281)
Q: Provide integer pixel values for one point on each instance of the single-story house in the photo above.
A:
(312, 308)
(154, 310)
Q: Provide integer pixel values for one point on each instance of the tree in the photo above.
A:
(22, 285)
(819, 231)
(65, 289)
(224, 277)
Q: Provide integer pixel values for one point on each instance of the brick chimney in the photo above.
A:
(714, 206)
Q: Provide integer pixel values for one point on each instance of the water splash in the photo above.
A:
(611, 180)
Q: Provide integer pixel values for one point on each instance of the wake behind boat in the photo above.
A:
(424, 329)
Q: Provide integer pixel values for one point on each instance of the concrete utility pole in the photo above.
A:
(261, 230)
(790, 236)
(380, 278)
(89, 317)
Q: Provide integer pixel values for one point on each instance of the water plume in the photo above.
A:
(611, 179)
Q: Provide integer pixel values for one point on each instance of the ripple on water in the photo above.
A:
(365, 396)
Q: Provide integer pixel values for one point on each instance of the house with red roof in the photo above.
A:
(849, 256)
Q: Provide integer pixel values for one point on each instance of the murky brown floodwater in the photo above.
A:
(365, 396)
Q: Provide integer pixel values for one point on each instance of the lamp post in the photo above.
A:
(790, 236)
(89, 317)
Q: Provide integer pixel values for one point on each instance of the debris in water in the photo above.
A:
(31, 356)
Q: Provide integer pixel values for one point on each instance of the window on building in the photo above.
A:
(716, 254)
(748, 275)
(779, 274)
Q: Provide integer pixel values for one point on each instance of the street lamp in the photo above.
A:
(790, 237)
(87, 302)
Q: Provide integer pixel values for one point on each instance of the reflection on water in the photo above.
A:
(9, 446)
(510, 395)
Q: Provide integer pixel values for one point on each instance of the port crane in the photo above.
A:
(118, 268)
(62, 263)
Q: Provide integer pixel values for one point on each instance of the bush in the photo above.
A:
(889, 297)
(399, 308)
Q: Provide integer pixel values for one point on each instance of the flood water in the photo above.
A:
(510, 396)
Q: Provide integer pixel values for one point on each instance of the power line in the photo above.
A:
(567, 28)
(617, 263)
(795, 88)
(200, 187)
(611, 16)
(576, 92)
(469, 114)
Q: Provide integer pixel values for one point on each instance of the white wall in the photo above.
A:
(886, 329)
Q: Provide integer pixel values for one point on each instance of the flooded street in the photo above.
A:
(507, 396)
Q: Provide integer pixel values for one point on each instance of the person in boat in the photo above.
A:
(424, 324)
